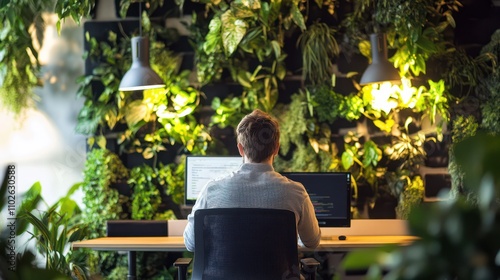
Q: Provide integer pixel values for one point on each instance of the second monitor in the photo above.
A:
(330, 193)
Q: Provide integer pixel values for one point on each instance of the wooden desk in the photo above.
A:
(170, 243)
(176, 243)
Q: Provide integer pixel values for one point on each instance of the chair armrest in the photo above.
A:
(309, 267)
(182, 265)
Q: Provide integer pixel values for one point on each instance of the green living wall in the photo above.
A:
(301, 61)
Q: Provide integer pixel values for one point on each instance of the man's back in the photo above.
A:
(257, 185)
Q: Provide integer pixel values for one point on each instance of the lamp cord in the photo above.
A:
(140, 19)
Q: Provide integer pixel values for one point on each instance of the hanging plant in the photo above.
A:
(319, 47)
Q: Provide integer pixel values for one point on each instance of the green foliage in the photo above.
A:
(319, 47)
(479, 156)
(329, 105)
(171, 177)
(411, 197)
(419, 33)
(152, 5)
(490, 87)
(25, 262)
(459, 69)
(463, 127)
(54, 229)
(19, 67)
(456, 239)
(102, 109)
(76, 9)
(408, 149)
(103, 170)
(228, 112)
(490, 118)
(246, 38)
(119, 272)
(102, 201)
(145, 196)
(307, 154)
(163, 118)
(293, 122)
(361, 159)
(434, 101)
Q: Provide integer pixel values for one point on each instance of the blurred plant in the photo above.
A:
(19, 66)
(22, 29)
(54, 230)
(456, 239)
(20, 265)
(76, 9)
(411, 197)
(462, 128)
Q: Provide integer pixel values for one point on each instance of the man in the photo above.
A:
(255, 184)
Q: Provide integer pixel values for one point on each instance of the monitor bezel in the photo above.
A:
(191, 202)
(345, 222)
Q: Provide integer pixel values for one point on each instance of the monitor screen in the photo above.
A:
(201, 169)
(330, 193)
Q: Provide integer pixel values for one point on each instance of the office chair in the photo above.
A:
(246, 243)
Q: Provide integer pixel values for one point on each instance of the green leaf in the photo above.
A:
(216, 103)
(365, 49)
(347, 159)
(297, 17)
(276, 48)
(265, 11)
(136, 111)
(213, 38)
(148, 153)
(244, 79)
(101, 141)
(450, 19)
(371, 155)
(74, 188)
(233, 30)
(38, 224)
(31, 198)
(68, 206)
(427, 45)
(245, 8)
(382, 125)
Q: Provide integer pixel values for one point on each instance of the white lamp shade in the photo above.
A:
(380, 70)
(140, 76)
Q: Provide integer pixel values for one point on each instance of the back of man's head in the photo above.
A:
(259, 135)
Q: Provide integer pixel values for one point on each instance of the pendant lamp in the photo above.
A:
(380, 70)
(140, 76)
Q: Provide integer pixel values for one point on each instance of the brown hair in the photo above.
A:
(259, 134)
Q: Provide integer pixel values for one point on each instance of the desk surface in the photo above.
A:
(176, 243)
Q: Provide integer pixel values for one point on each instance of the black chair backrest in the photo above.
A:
(245, 243)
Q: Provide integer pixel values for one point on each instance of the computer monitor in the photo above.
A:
(201, 169)
(330, 193)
